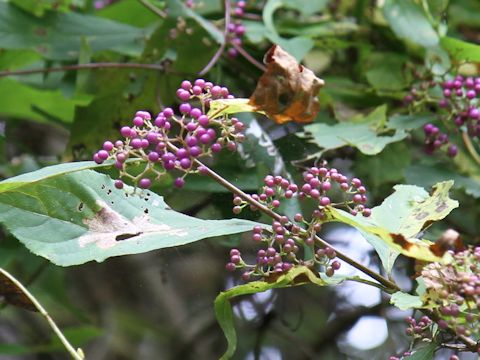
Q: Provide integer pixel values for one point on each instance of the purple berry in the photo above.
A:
(191, 140)
(103, 154)
(196, 90)
(119, 184)
(107, 146)
(191, 126)
(195, 151)
(138, 121)
(181, 153)
(471, 94)
(324, 201)
(200, 83)
(136, 143)
(167, 112)
(195, 113)
(185, 163)
(217, 147)
(185, 108)
(452, 150)
(153, 156)
(145, 183)
(230, 267)
(179, 182)
(474, 113)
(205, 138)
(203, 120)
(125, 131)
(97, 159)
(183, 94)
(186, 85)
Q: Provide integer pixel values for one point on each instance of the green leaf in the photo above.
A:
(366, 133)
(22, 101)
(424, 353)
(223, 308)
(296, 46)
(393, 227)
(128, 12)
(384, 168)
(409, 22)
(405, 301)
(461, 50)
(14, 59)
(385, 71)
(427, 175)
(177, 8)
(79, 217)
(410, 122)
(58, 35)
(230, 106)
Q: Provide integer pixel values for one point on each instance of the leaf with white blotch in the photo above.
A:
(405, 301)
(393, 227)
(76, 217)
(297, 276)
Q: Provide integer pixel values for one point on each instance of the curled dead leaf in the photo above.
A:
(287, 91)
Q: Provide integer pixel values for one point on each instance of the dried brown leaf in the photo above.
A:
(287, 91)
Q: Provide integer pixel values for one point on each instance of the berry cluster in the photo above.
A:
(236, 29)
(285, 239)
(461, 99)
(461, 109)
(419, 329)
(454, 292)
(318, 184)
(435, 139)
(172, 142)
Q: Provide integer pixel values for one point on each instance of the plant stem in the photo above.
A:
(470, 147)
(76, 354)
(249, 57)
(100, 65)
(390, 286)
(153, 8)
(220, 50)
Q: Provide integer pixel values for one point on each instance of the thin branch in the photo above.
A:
(153, 8)
(390, 286)
(251, 16)
(249, 57)
(470, 147)
(220, 50)
(101, 65)
(76, 354)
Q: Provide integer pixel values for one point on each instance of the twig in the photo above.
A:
(220, 50)
(249, 57)
(153, 9)
(470, 147)
(76, 354)
(100, 65)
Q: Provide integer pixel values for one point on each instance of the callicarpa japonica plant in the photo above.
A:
(258, 179)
